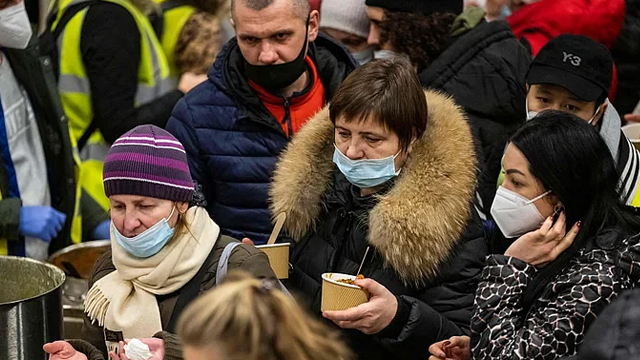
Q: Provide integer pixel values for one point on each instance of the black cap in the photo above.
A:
(577, 63)
(419, 6)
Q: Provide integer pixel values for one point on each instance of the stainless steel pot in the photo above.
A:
(30, 307)
(77, 262)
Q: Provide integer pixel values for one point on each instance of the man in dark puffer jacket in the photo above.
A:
(235, 125)
(480, 64)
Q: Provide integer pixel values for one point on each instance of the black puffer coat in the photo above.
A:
(485, 72)
(428, 249)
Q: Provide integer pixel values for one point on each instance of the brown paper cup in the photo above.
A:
(339, 296)
(278, 255)
(632, 132)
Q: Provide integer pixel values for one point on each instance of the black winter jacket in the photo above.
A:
(427, 248)
(485, 72)
(626, 52)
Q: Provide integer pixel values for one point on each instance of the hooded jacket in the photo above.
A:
(427, 247)
(625, 155)
(558, 320)
(233, 142)
(484, 70)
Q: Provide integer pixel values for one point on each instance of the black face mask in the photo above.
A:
(279, 76)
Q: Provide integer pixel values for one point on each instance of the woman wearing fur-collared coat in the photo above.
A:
(401, 182)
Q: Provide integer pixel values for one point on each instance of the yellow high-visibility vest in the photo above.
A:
(154, 81)
(174, 18)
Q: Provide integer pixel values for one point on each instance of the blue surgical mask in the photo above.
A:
(364, 56)
(366, 173)
(149, 242)
(505, 12)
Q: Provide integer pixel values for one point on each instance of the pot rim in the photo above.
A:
(52, 267)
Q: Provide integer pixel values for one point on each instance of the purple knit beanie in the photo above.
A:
(148, 161)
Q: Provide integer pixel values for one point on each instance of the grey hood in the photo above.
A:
(611, 129)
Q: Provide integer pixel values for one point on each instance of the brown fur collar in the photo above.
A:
(416, 224)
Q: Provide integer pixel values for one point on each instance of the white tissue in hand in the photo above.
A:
(137, 350)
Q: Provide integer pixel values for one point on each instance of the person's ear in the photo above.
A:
(233, 23)
(413, 142)
(314, 25)
(603, 108)
(182, 207)
(555, 201)
(597, 118)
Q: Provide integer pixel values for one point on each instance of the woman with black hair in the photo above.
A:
(577, 246)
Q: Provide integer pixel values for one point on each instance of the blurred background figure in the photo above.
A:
(626, 52)
(498, 9)
(191, 33)
(250, 319)
(537, 22)
(613, 23)
(113, 75)
(346, 21)
(38, 203)
(534, 23)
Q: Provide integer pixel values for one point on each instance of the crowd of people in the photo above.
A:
(467, 158)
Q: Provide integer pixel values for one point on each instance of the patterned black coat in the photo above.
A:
(557, 321)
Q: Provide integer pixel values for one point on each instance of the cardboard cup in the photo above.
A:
(632, 132)
(278, 255)
(340, 296)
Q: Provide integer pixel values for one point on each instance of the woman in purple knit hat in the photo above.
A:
(163, 253)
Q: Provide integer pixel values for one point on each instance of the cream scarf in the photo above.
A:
(125, 301)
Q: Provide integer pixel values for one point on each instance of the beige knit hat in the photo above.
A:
(349, 16)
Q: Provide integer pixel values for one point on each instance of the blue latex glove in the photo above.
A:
(102, 231)
(42, 222)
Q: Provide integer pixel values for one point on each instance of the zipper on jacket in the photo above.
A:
(347, 221)
(287, 118)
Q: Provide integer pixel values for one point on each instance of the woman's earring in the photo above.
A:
(559, 208)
